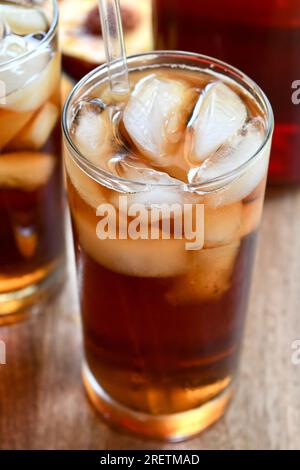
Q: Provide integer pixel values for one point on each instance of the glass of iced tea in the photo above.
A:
(166, 188)
(262, 38)
(31, 198)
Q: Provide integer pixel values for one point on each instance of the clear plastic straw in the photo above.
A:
(112, 32)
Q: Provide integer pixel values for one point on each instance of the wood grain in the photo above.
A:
(43, 404)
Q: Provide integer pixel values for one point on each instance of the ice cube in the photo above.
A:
(29, 84)
(209, 277)
(89, 190)
(25, 170)
(11, 47)
(92, 130)
(156, 197)
(142, 258)
(36, 133)
(155, 115)
(221, 113)
(236, 153)
(159, 189)
(255, 174)
(133, 169)
(23, 20)
(222, 224)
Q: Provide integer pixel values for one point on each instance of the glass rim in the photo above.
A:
(100, 174)
(46, 39)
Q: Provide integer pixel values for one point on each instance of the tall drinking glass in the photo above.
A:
(31, 198)
(163, 298)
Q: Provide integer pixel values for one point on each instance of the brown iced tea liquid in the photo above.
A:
(152, 353)
(31, 231)
(162, 324)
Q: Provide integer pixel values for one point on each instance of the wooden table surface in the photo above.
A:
(42, 400)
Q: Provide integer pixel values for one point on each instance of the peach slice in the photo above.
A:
(36, 133)
(11, 123)
(82, 45)
(25, 170)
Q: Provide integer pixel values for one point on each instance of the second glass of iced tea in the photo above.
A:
(31, 182)
(166, 188)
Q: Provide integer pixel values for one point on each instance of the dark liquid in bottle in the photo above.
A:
(260, 38)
